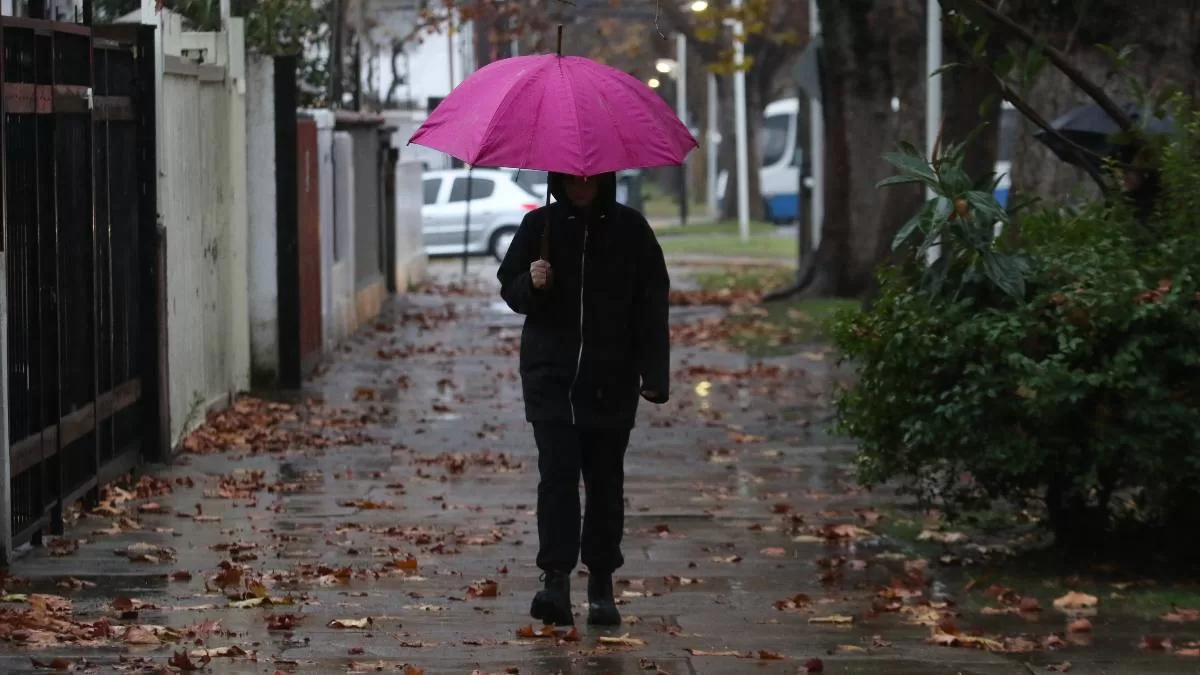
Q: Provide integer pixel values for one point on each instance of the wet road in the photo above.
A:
(393, 525)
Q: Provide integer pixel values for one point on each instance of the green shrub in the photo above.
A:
(1079, 385)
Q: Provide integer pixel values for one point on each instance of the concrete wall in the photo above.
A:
(203, 204)
(344, 316)
(324, 120)
(411, 259)
(263, 257)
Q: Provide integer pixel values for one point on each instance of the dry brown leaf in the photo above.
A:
(837, 619)
(219, 652)
(53, 664)
(942, 537)
(484, 589)
(1080, 625)
(1074, 600)
(139, 635)
(181, 661)
(622, 641)
(727, 652)
(765, 655)
(1181, 615)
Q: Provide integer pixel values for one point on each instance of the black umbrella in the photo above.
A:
(1090, 127)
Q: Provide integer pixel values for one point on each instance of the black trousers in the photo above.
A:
(565, 452)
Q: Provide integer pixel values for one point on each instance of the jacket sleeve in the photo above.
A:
(654, 339)
(516, 286)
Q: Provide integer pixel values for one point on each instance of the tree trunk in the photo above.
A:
(868, 59)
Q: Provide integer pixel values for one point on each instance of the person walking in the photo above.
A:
(595, 341)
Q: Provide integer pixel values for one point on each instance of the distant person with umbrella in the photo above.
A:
(1086, 135)
(595, 339)
(590, 278)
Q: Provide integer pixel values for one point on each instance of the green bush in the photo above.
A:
(1078, 383)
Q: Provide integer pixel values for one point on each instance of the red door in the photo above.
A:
(309, 245)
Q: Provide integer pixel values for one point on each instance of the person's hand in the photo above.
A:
(539, 273)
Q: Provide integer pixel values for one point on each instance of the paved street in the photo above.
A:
(393, 525)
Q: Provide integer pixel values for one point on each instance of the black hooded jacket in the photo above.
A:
(598, 335)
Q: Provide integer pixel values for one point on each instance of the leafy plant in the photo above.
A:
(961, 219)
(1080, 388)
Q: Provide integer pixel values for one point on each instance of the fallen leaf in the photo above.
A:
(138, 635)
(1155, 643)
(623, 641)
(1180, 615)
(53, 664)
(947, 638)
(572, 635)
(727, 652)
(765, 655)
(849, 649)
(1075, 600)
(248, 603)
(943, 537)
(484, 589)
(183, 662)
(351, 623)
(527, 631)
(774, 552)
(814, 666)
(837, 619)
(219, 652)
(1080, 625)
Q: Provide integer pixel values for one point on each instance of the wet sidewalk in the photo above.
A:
(384, 522)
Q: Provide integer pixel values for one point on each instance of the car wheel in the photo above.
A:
(501, 240)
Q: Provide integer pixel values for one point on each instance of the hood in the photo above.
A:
(605, 198)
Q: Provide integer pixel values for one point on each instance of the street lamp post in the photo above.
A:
(816, 151)
(933, 97)
(681, 110)
(739, 107)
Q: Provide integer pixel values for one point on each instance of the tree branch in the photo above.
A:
(1032, 115)
(1060, 61)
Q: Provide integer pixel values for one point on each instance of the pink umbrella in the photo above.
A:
(556, 113)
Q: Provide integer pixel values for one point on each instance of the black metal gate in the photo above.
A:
(79, 226)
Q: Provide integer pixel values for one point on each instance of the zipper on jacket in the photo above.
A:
(579, 358)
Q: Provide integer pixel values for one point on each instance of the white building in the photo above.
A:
(434, 61)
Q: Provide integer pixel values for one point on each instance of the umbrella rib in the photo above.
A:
(505, 103)
(617, 126)
(575, 107)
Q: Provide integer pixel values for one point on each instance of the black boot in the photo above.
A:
(602, 606)
(552, 604)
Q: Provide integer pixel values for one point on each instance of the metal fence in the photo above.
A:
(79, 237)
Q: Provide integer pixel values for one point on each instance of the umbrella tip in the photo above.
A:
(560, 31)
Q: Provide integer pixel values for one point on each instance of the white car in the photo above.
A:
(498, 204)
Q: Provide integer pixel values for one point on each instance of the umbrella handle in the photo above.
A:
(545, 252)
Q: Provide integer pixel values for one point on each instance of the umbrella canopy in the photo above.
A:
(566, 114)
(1092, 128)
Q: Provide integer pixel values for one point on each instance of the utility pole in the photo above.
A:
(681, 109)
(739, 108)
(336, 35)
(933, 96)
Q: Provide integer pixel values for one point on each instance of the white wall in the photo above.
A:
(426, 64)
(202, 201)
(411, 259)
(263, 258)
(324, 120)
(345, 314)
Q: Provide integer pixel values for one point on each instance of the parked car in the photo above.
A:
(498, 204)
(532, 180)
